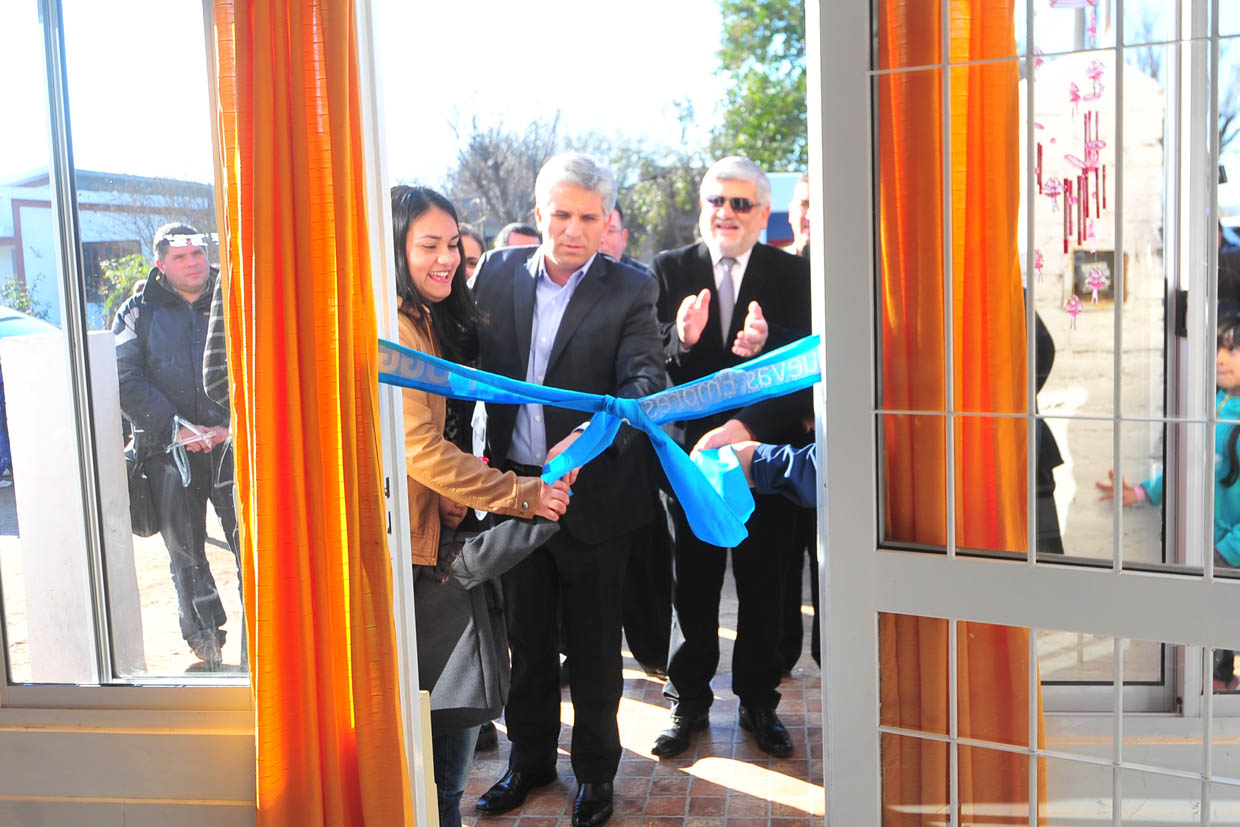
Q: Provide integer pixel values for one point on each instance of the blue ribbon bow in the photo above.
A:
(711, 487)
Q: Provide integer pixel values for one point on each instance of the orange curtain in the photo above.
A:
(303, 360)
(989, 360)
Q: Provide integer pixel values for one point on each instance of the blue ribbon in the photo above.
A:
(710, 487)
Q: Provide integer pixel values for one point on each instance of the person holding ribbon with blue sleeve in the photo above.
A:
(437, 316)
(560, 315)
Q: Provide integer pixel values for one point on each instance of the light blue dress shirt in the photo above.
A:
(529, 437)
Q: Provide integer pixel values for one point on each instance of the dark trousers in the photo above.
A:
(584, 582)
(792, 634)
(183, 525)
(648, 593)
(698, 571)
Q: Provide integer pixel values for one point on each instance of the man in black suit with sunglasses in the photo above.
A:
(723, 301)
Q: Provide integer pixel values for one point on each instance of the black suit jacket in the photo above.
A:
(607, 343)
(776, 280)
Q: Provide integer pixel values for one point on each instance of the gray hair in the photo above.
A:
(736, 168)
(580, 171)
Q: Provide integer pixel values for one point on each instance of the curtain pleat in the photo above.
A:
(303, 364)
(989, 357)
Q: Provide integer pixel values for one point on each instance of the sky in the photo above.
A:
(138, 83)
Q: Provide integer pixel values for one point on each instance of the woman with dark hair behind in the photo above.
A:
(1226, 475)
(437, 316)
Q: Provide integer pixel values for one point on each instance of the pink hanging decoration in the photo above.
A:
(1080, 209)
(1104, 187)
(1051, 190)
(1091, 237)
(1039, 167)
(1096, 280)
(1093, 25)
(1069, 203)
(1094, 73)
(1074, 95)
(1038, 263)
(1073, 308)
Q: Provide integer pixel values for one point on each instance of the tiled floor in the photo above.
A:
(724, 780)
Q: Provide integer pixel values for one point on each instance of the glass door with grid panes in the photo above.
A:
(1037, 618)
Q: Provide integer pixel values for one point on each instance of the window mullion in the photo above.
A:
(65, 214)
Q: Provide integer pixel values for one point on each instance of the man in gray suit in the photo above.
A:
(563, 316)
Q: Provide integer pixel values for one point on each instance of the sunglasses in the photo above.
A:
(738, 205)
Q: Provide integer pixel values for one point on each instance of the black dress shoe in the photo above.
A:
(675, 739)
(768, 731)
(509, 792)
(593, 804)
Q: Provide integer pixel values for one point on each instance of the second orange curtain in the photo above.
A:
(988, 377)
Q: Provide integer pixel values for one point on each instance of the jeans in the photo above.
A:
(453, 756)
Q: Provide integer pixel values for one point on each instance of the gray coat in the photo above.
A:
(462, 638)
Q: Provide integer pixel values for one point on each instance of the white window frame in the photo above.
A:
(1124, 604)
(415, 707)
(219, 692)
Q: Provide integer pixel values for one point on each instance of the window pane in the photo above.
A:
(908, 797)
(1159, 799)
(152, 317)
(994, 786)
(1064, 25)
(1225, 804)
(1221, 673)
(1148, 324)
(989, 352)
(914, 480)
(1145, 740)
(43, 556)
(992, 683)
(1074, 455)
(1149, 21)
(992, 468)
(913, 673)
(1074, 237)
(907, 34)
(1076, 792)
(1148, 447)
(910, 256)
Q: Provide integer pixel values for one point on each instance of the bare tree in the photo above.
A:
(142, 205)
(493, 182)
(1149, 59)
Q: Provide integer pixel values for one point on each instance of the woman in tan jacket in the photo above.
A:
(437, 316)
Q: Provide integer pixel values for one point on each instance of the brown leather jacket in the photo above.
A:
(436, 467)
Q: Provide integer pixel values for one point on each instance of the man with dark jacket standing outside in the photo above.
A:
(180, 434)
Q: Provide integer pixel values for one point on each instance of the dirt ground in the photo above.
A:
(166, 653)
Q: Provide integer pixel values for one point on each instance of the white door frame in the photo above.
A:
(857, 580)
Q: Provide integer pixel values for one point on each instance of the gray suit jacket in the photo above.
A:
(459, 606)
